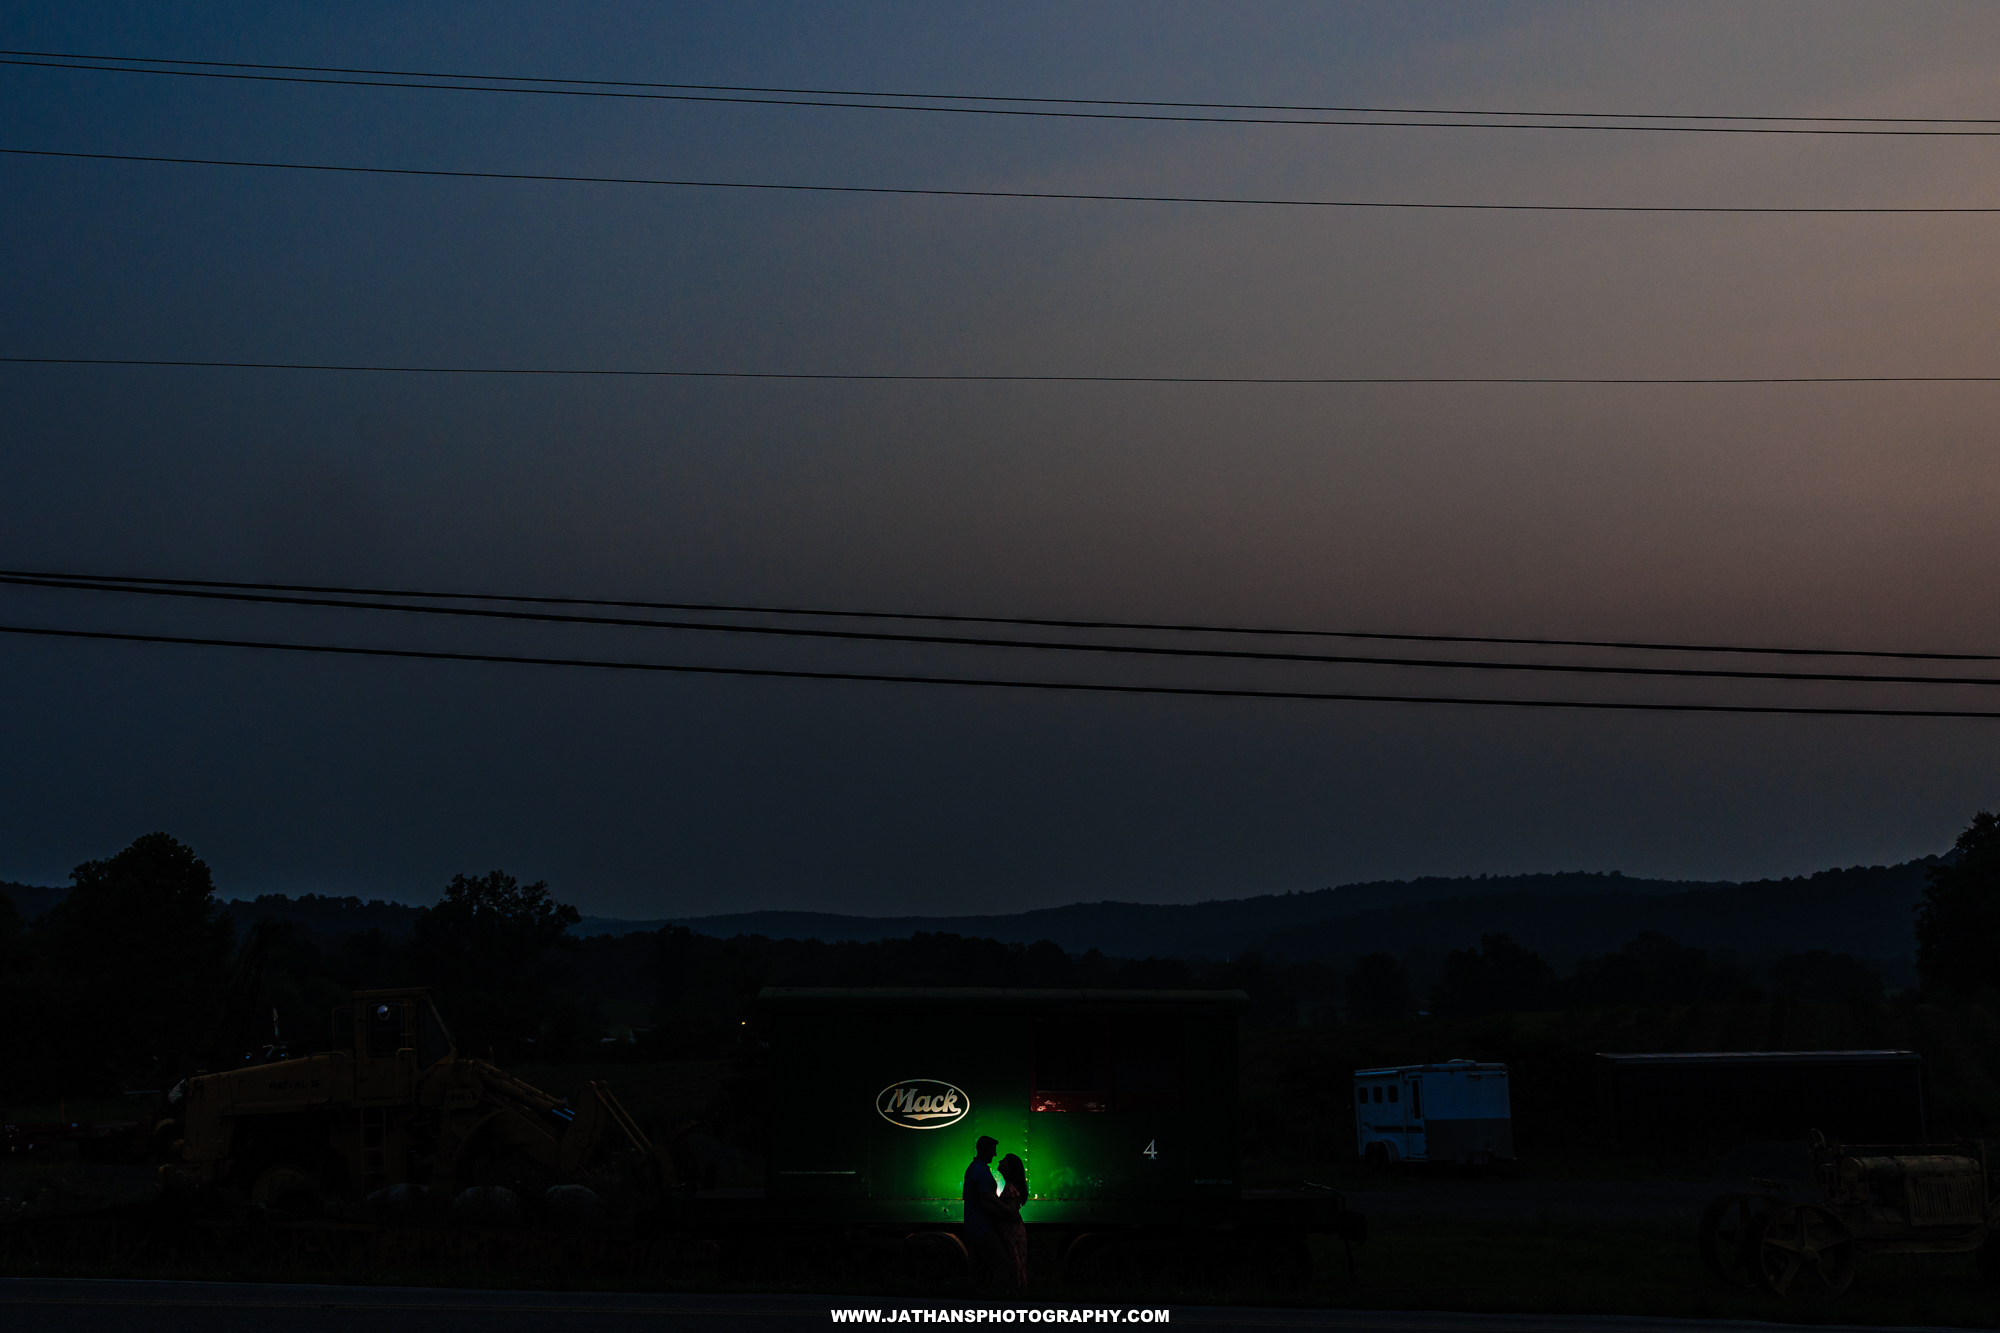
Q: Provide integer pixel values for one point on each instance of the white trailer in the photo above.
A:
(1457, 1111)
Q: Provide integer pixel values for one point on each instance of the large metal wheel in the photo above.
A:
(933, 1260)
(1724, 1228)
(1094, 1257)
(1988, 1259)
(1799, 1246)
(1283, 1260)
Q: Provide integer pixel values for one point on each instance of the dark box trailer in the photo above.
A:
(1121, 1104)
(1721, 1099)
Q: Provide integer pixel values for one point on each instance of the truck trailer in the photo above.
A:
(1717, 1100)
(1457, 1111)
(1122, 1105)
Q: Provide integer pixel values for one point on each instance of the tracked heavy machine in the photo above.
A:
(393, 1102)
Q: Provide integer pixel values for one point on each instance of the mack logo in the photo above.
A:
(922, 1103)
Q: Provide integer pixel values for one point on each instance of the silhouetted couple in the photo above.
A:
(995, 1236)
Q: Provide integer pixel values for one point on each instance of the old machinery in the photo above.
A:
(1884, 1199)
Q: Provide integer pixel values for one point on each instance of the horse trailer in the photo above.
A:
(1457, 1111)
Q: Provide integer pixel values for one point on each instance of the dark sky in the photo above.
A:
(1844, 515)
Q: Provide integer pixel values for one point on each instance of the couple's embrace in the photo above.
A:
(995, 1237)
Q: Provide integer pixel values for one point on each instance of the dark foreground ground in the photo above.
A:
(104, 1306)
(1500, 1251)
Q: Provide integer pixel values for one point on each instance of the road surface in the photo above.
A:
(33, 1305)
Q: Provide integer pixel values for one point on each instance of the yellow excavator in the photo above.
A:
(394, 1103)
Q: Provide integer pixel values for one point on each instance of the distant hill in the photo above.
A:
(1862, 910)
(315, 914)
(1212, 929)
(615, 925)
(1866, 911)
(29, 900)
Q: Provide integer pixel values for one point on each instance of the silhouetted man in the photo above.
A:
(983, 1214)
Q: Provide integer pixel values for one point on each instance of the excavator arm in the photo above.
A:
(599, 1118)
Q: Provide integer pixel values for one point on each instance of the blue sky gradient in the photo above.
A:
(1855, 515)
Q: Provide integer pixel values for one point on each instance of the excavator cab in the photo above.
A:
(394, 1034)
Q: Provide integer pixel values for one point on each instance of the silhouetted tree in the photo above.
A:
(1827, 978)
(1156, 974)
(13, 938)
(139, 951)
(486, 946)
(1093, 969)
(1272, 1004)
(21, 1044)
(1498, 977)
(1378, 989)
(1048, 965)
(1651, 969)
(370, 960)
(1958, 918)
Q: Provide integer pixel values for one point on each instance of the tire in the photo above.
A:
(933, 1261)
(288, 1189)
(1282, 1261)
(1095, 1256)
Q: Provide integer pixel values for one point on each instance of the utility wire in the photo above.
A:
(1897, 129)
(173, 363)
(988, 97)
(1023, 105)
(961, 641)
(1199, 691)
(1037, 622)
(1243, 201)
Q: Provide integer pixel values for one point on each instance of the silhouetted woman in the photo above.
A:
(1014, 1232)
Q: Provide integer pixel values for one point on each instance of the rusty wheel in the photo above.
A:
(1988, 1259)
(1095, 1256)
(1799, 1246)
(1724, 1227)
(933, 1260)
(1283, 1261)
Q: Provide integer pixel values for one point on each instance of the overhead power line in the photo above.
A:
(991, 97)
(130, 582)
(1017, 105)
(902, 377)
(1091, 687)
(964, 641)
(1053, 195)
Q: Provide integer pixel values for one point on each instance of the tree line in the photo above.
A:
(139, 976)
